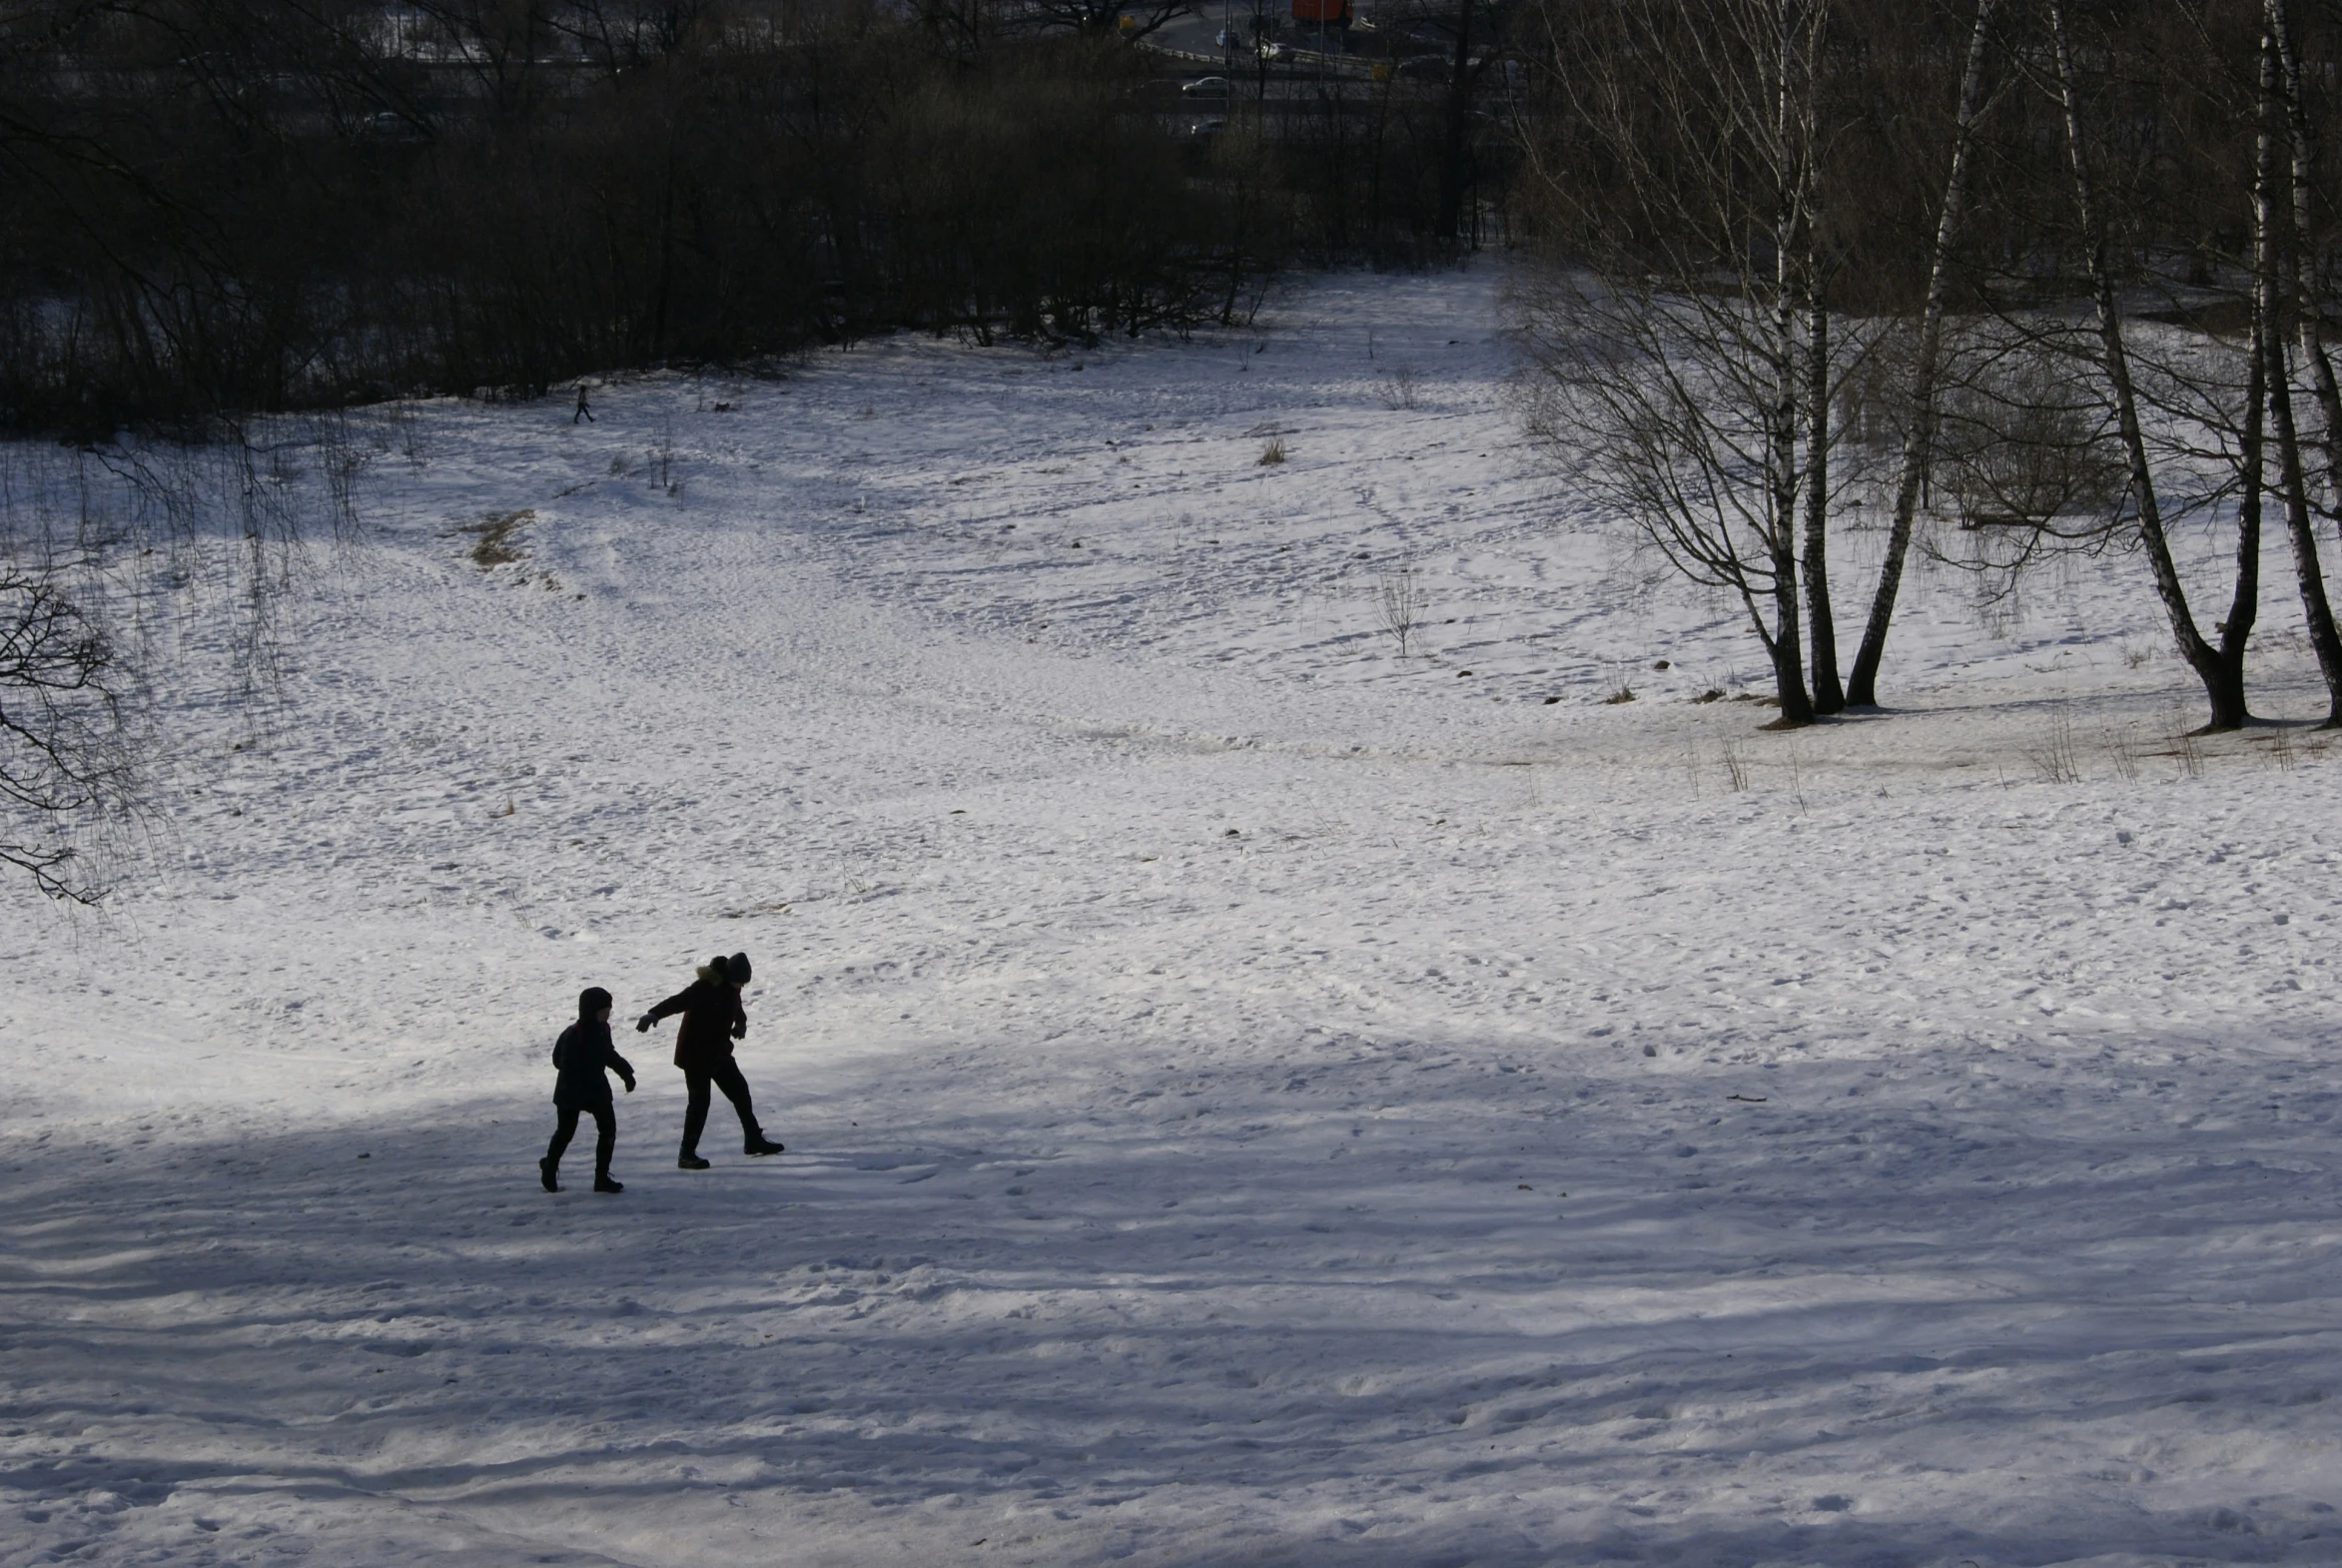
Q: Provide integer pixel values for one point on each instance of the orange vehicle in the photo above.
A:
(1329, 13)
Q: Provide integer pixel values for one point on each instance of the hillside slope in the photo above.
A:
(1250, 1099)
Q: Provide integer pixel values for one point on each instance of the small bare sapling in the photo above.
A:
(1401, 387)
(1272, 453)
(663, 455)
(1402, 605)
(1736, 768)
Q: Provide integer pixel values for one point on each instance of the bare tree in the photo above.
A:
(2309, 322)
(1863, 681)
(117, 563)
(2272, 374)
(64, 768)
(1682, 332)
(1402, 605)
(2099, 265)
(2220, 667)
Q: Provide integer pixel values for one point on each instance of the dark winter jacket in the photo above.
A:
(712, 1020)
(583, 1053)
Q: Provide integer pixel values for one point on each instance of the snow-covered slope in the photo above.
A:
(1250, 1099)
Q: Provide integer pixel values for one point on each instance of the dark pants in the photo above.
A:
(605, 1138)
(725, 1075)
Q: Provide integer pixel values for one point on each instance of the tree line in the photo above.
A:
(213, 205)
(2006, 276)
(222, 219)
(235, 205)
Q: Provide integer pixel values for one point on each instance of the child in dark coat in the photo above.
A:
(712, 1020)
(582, 1054)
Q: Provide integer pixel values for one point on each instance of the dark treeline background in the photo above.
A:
(222, 206)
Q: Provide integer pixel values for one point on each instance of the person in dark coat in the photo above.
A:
(583, 1055)
(712, 1020)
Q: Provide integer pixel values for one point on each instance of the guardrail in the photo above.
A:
(1297, 63)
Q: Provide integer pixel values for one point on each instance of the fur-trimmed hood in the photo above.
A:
(733, 970)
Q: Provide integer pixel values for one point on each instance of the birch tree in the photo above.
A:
(1910, 472)
(2272, 374)
(2220, 667)
(1675, 330)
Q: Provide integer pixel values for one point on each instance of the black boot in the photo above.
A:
(548, 1169)
(760, 1145)
(603, 1184)
(687, 1160)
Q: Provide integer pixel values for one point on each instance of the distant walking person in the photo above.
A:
(712, 1020)
(583, 1055)
(585, 409)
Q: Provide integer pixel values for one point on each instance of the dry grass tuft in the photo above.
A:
(1402, 389)
(493, 545)
(2126, 748)
(2054, 758)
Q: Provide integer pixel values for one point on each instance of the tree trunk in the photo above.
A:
(2223, 685)
(1829, 697)
(1862, 686)
(1453, 154)
(2272, 377)
(2316, 611)
(1789, 675)
(1782, 504)
(2244, 605)
(667, 273)
(1821, 630)
(2308, 323)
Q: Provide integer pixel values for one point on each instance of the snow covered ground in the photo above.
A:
(1250, 1100)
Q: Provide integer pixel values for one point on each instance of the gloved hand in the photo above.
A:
(630, 1085)
(642, 1024)
(740, 1029)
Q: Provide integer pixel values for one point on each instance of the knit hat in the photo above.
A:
(736, 968)
(592, 1000)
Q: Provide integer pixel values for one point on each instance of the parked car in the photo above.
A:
(1272, 51)
(389, 127)
(1227, 37)
(1206, 87)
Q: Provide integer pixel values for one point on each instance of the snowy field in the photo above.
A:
(1250, 1100)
